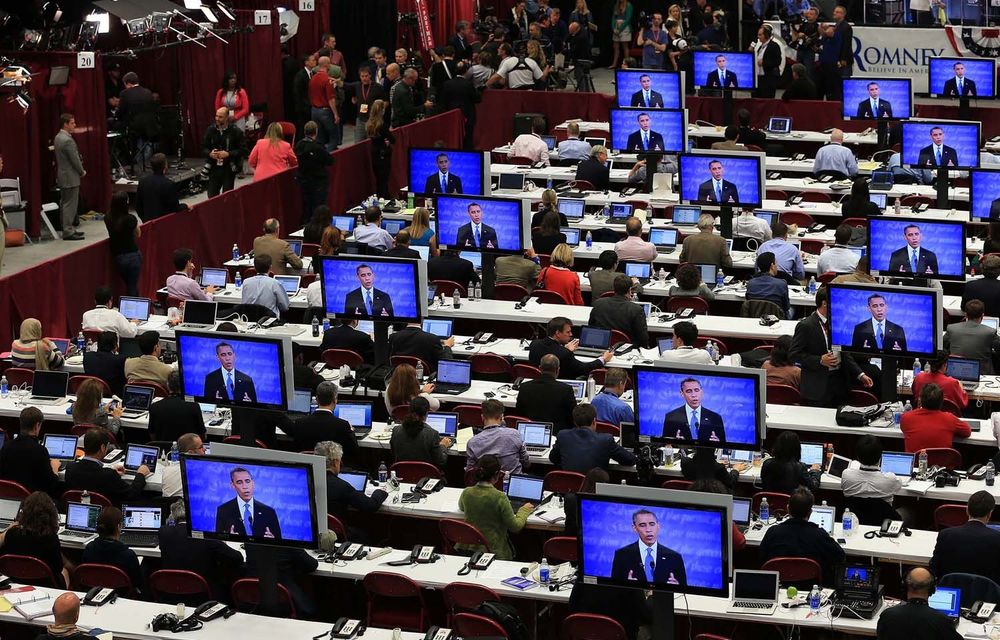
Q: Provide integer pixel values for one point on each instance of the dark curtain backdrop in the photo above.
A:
(444, 15)
(20, 148)
(444, 130)
(359, 24)
(256, 58)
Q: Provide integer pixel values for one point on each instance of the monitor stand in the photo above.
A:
(662, 604)
(726, 221)
(942, 188)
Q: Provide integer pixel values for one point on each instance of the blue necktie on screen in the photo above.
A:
(718, 192)
(650, 565)
(875, 108)
(879, 336)
(913, 261)
(229, 385)
(694, 425)
(937, 154)
(645, 141)
(722, 77)
(368, 301)
(444, 183)
(247, 519)
(645, 97)
(959, 86)
(475, 234)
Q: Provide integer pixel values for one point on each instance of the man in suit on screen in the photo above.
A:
(995, 209)
(227, 382)
(367, 301)
(646, 97)
(646, 561)
(716, 189)
(720, 76)
(691, 421)
(938, 154)
(959, 85)
(243, 515)
(913, 258)
(645, 139)
(443, 180)
(874, 107)
(877, 333)
(475, 234)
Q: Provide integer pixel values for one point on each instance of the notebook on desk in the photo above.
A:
(779, 126)
(824, 516)
(686, 215)
(289, 283)
(572, 235)
(897, 462)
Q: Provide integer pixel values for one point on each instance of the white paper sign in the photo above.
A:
(85, 60)
(262, 18)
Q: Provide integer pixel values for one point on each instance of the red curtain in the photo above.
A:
(445, 13)
(499, 106)
(811, 115)
(445, 130)
(312, 24)
(256, 58)
(20, 148)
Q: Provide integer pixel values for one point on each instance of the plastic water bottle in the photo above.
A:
(548, 183)
(383, 472)
(506, 481)
(4, 387)
(713, 351)
(456, 299)
(898, 206)
(175, 455)
(236, 252)
(907, 406)
(326, 325)
(815, 597)
(606, 211)
(238, 280)
(765, 511)
(668, 455)
(922, 462)
(420, 372)
(315, 327)
(81, 344)
(85, 497)
(543, 571)
(848, 524)
(897, 417)
(812, 286)
(990, 474)
(720, 278)
(916, 368)
(590, 240)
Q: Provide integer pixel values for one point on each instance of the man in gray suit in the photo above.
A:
(972, 338)
(69, 170)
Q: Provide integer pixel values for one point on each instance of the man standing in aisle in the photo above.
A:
(69, 170)
(224, 150)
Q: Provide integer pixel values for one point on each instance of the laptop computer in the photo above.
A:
(393, 226)
(431, 293)
(897, 462)
(60, 447)
(665, 240)
(766, 216)
(356, 479)
(295, 244)
(62, 344)
(708, 272)
(621, 211)
(824, 516)
(137, 455)
(881, 181)
(522, 489)
(965, 370)
(837, 465)
(444, 422)
(593, 142)
(475, 257)
(301, 401)
(81, 522)
(550, 142)
(572, 236)
(686, 215)
(781, 126)
(356, 414)
(129, 347)
(141, 525)
(423, 250)
(741, 513)
(947, 600)
(453, 377)
(289, 283)
(991, 321)
(593, 342)
(9, 508)
(344, 223)
(214, 277)
(641, 270)
(579, 388)
(136, 401)
(665, 344)
(861, 251)
(134, 308)
(49, 387)
(572, 208)
(754, 592)
(647, 307)
(199, 314)
(537, 436)
(440, 328)
(511, 182)
(812, 453)
(879, 199)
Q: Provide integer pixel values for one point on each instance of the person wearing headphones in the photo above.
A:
(913, 619)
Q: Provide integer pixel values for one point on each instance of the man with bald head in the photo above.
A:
(225, 148)
(323, 104)
(66, 611)
(403, 100)
(835, 159)
(914, 620)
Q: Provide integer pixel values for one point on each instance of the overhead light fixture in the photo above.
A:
(160, 22)
(192, 4)
(281, 9)
(288, 22)
(226, 11)
(31, 38)
(103, 21)
(88, 30)
(137, 27)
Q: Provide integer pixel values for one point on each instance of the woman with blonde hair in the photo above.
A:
(88, 409)
(674, 13)
(560, 277)
(32, 351)
(535, 52)
(403, 386)
(550, 202)
(420, 230)
(377, 129)
(621, 30)
(272, 154)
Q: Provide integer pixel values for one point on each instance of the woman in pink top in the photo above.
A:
(234, 97)
(271, 154)
(951, 387)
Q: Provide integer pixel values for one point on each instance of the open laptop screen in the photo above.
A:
(525, 487)
(824, 517)
(356, 480)
(964, 369)
(594, 338)
(663, 237)
(538, 434)
(454, 372)
(134, 308)
(572, 208)
(357, 414)
(741, 511)
(899, 463)
(142, 518)
(445, 424)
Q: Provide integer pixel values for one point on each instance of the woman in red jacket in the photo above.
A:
(232, 96)
(271, 154)
(560, 277)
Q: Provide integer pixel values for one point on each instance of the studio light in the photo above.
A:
(88, 31)
(208, 14)
(103, 20)
(226, 11)
(51, 12)
(192, 4)
(160, 22)
(31, 38)
(137, 27)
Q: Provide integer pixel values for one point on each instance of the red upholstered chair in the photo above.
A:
(910, 200)
(490, 366)
(465, 596)
(28, 570)
(15, 490)
(783, 394)
(460, 532)
(509, 291)
(512, 421)
(815, 247)
(709, 636)
(776, 194)
(795, 570)
(472, 625)
(76, 381)
(583, 185)
(76, 495)
(82, 429)
(618, 337)
(776, 502)
(563, 481)
(249, 272)
(173, 586)
(941, 457)
(607, 294)
(287, 131)
(607, 427)
(549, 297)
(522, 162)
(469, 415)
(19, 376)
(158, 389)
(561, 549)
(587, 626)
(678, 485)
(720, 344)
(413, 361)
(336, 358)
(413, 470)
(526, 371)
(399, 412)
(856, 222)
(239, 440)
(800, 218)
(598, 376)
(814, 196)
(699, 305)
(175, 302)
(309, 250)
(245, 593)
(827, 277)
(89, 575)
(950, 515)
(448, 288)
(334, 524)
(394, 601)
(91, 335)
(861, 398)
(469, 477)
(950, 406)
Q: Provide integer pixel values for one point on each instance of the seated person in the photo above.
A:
(709, 485)
(796, 537)
(784, 471)
(633, 248)
(779, 367)
(344, 334)
(914, 620)
(602, 277)
(292, 566)
(371, 233)
(106, 363)
(213, 560)
(414, 439)
(403, 387)
(928, 427)
(33, 351)
(581, 449)
(105, 317)
(450, 266)
(89, 472)
(972, 338)
(970, 547)
(173, 416)
(148, 367)
(595, 168)
(546, 399)
(188, 444)
(489, 510)
(412, 340)
(107, 548)
(321, 425)
(867, 480)
(573, 148)
(401, 247)
(271, 244)
(26, 461)
(340, 495)
(685, 338)
(786, 255)
(181, 285)
(531, 145)
(950, 387)
(263, 290)
(559, 341)
(548, 236)
(550, 202)
(766, 285)
(838, 258)
(619, 313)
(88, 410)
(303, 375)
(689, 284)
(495, 439)
(702, 465)
(35, 534)
(706, 247)
(608, 403)
(66, 608)
(518, 269)
(748, 225)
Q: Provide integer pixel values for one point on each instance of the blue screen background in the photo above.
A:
(897, 92)
(945, 240)
(669, 124)
(985, 189)
(734, 399)
(696, 535)
(982, 72)
(743, 172)
(667, 85)
(739, 63)
(911, 311)
(396, 278)
(285, 489)
(963, 137)
(467, 165)
(260, 360)
(503, 215)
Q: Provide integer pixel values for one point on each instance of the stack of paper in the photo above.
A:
(30, 604)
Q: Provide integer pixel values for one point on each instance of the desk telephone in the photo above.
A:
(480, 560)
(980, 611)
(891, 528)
(482, 337)
(427, 485)
(437, 633)
(98, 596)
(799, 157)
(350, 551)
(421, 554)
(346, 628)
(213, 609)
(629, 191)
(794, 200)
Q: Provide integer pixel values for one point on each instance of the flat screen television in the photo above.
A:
(482, 223)
(931, 144)
(648, 130)
(649, 88)
(448, 171)
(984, 194)
(722, 178)
(961, 77)
(877, 99)
(724, 70)
(883, 319)
(916, 248)
(374, 287)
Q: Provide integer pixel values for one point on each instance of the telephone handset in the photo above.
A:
(427, 485)
(891, 528)
(346, 628)
(517, 383)
(437, 633)
(350, 551)
(98, 596)
(213, 609)
(482, 337)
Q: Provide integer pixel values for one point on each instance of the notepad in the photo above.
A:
(35, 609)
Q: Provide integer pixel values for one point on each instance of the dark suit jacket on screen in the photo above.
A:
(894, 340)
(354, 303)
(951, 87)
(949, 157)
(627, 565)
(243, 388)
(655, 99)
(229, 517)
(433, 183)
(865, 109)
(706, 192)
(899, 261)
(676, 422)
(487, 236)
(635, 141)
(713, 79)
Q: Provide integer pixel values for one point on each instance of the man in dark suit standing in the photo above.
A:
(646, 561)
(461, 42)
(716, 189)
(367, 301)
(90, 473)
(156, 194)
(173, 416)
(721, 77)
(913, 258)
(691, 421)
(412, 340)
(971, 547)
(443, 181)
(345, 335)
(826, 377)
(546, 399)
(874, 107)
(938, 154)
(243, 515)
(959, 85)
(645, 139)
(322, 425)
(877, 333)
(475, 234)
(646, 97)
(227, 382)
(559, 342)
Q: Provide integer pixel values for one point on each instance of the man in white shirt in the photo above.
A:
(835, 157)
(516, 73)
(264, 290)
(105, 318)
(191, 444)
(838, 258)
(749, 225)
(867, 480)
(531, 145)
(372, 233)
(685, 335)
(573, 148)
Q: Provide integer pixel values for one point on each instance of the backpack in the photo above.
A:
(506, 616)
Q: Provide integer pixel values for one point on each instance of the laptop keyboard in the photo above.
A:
(76, 534)
(139, 539)
(744, 604)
